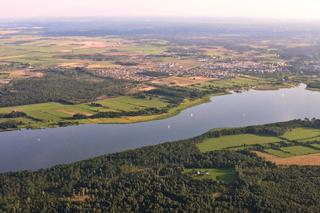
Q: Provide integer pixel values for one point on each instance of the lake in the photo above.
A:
(34, 149)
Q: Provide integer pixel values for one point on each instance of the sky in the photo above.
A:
(276, 9)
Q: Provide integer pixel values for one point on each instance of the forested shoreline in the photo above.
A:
(152, 179)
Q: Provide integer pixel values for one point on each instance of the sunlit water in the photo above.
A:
(33, 149)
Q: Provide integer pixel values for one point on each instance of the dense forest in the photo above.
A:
(151, 179)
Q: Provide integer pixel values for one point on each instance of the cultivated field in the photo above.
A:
(303, 160)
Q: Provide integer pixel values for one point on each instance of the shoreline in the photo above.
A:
(186, 104)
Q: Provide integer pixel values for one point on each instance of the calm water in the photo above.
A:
(33, 149)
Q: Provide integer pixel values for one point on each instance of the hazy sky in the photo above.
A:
(296, 9)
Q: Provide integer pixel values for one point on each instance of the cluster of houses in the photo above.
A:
(205, 66)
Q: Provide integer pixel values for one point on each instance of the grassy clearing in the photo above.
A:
(299, 150)
(227, 175)
(302, 133)
(232, 141)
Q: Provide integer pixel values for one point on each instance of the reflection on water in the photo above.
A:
(33, 149)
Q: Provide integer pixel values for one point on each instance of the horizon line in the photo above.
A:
(208, 18)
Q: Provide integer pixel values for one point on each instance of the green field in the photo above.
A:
(316, 145)
(52, 113)
(277, 153)
(311, 139)
(57, 110)
(239, 82)
(227, 175)
(232, 141)
(302, 133)
(243, 82)
(287, 148)
(299, 150)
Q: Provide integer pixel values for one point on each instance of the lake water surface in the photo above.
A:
(34, 149)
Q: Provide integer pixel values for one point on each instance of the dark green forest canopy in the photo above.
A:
(151, 179)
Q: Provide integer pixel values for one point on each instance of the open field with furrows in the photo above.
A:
(295, 144)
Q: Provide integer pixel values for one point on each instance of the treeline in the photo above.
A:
(175, 95)
(151, 179)
(6, 125)
(11, 124)
(13, 114)
(14, 124)
(314, 85)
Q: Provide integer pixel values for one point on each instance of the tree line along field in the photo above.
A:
(172, 177)
(296, 141)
